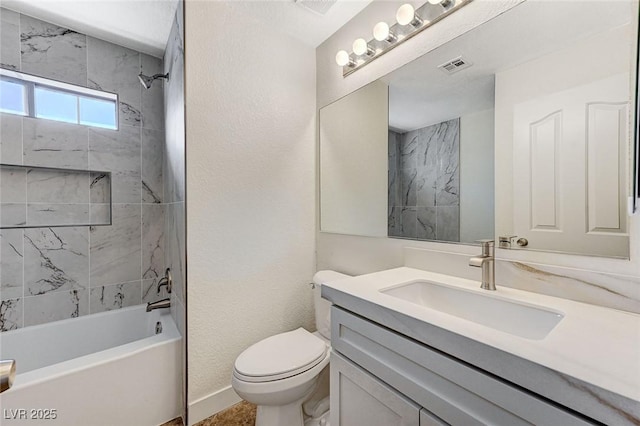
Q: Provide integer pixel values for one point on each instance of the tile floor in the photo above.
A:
(241, 414)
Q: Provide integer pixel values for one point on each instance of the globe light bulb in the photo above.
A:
(360, 46)
(444, 3)
(381, 31)
(406, 13)
(342, 58)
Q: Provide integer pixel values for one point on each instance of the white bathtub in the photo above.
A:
(104, 369)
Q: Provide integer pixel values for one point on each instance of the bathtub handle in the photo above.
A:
(7, 374)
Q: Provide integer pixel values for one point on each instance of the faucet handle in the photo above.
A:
(487, 246)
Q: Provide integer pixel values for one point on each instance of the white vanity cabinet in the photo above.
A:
(381, 378)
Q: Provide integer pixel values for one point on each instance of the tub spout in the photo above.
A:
(164, 303)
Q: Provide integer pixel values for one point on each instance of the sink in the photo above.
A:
(517, 318)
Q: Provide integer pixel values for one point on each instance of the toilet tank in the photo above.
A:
(322, 306)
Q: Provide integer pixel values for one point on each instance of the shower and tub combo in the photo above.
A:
(82, 371)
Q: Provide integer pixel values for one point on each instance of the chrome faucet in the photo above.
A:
(167, 281)
(164, 303)
(487, 263)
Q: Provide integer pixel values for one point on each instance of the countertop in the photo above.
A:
(590, 362)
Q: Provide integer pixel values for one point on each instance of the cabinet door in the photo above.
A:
(429, 419)
(357, 399)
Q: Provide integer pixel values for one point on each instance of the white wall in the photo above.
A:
(476, 176)
(250, 95)
(358, 255)
(354, 158)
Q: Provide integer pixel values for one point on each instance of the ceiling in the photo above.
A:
(297, 21)
(420, 94)
(144, 25)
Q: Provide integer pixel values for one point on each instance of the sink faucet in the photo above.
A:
(164, 303)
(486, 262)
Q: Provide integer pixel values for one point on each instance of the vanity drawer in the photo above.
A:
(452, 390)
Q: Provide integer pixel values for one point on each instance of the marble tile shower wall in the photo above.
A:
(174, 176)
(49, 274)
(424, 183)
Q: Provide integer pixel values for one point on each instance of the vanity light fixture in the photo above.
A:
(360, 47)
(406, 15)
(444, 3)
(343, 59)
(381, 32)
(410, 22)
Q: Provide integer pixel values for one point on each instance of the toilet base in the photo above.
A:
(277, 415)
(322, 420)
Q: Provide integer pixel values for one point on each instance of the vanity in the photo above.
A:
(529, 143)
(413, 347)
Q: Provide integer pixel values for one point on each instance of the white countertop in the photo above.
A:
(596, 345)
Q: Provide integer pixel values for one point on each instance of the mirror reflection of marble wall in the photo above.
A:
(526, 75)
(424, 182)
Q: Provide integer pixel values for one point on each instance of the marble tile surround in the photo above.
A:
(48, 274)
(424, 183)
(174, 169)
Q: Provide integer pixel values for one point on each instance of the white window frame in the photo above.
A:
(30, 82)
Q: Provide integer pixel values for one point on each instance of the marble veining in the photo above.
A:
(11, 263)
(9, 39)
(53, 52)
(49, 143)
(13, 214)
(118, 152)
(55, 306)
(152, 161)
(153, 241)
(107, 298)
(115, 251)
(610, 290)
(11, 314)
(56, 259)
(424, 178)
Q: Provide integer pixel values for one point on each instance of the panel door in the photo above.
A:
(570, 165)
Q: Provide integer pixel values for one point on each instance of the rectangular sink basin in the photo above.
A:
(519, 319)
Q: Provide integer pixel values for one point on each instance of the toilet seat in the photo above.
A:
(279, 357)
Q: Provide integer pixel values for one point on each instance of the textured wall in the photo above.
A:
(48, 274)
(602, 281)
(250, 94)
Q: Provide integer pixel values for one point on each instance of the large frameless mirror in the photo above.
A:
(519, 130)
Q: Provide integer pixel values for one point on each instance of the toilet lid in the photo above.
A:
(280, 356)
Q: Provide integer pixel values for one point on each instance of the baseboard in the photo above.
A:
(211, 404)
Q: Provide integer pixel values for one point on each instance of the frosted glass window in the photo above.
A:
(13, 98)
(98, 113)
(55, 105)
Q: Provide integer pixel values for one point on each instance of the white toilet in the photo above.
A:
(288, 373)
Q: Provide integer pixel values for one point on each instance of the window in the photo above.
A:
(37, 97)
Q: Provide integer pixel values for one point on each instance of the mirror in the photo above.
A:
(520, 129)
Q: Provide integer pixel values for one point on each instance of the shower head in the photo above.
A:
(146, 81)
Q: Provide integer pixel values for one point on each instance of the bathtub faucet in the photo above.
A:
(164, 303)
(167, 280)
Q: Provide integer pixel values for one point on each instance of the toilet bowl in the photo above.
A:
(282, 372)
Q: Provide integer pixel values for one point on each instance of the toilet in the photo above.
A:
(287, 375)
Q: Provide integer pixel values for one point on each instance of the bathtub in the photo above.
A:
(104, 369)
